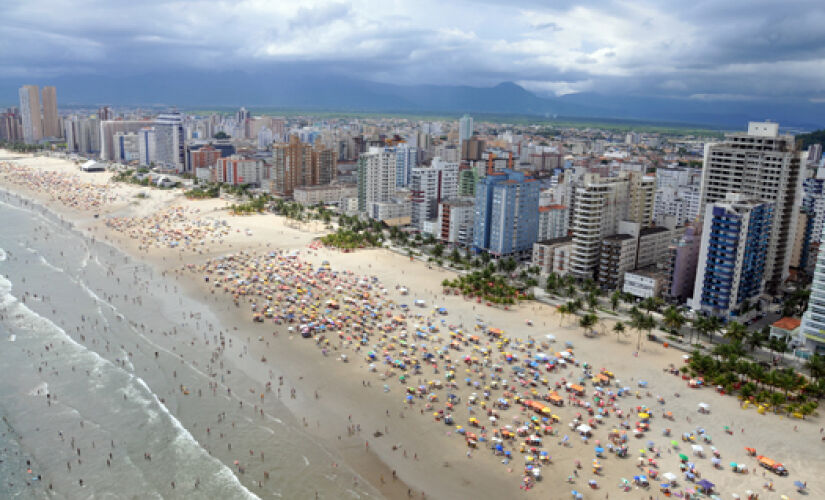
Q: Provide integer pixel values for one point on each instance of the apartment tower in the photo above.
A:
(765, 166)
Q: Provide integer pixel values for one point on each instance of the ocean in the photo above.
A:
(112, 386)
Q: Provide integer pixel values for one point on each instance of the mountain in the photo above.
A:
(305, 89)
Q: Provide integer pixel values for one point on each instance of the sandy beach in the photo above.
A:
(382, 411)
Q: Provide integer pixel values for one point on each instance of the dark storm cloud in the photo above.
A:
(746, 48)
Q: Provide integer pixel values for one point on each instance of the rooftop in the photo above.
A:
(787, 323)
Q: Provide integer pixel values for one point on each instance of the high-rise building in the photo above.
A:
(406, 159)
(300, 164)
(204, 156)
(813, 321)
(324, 165)
(765, 166)
(264, 138)
(455, 219)
(51, 120)
(553, 222)
(733, 256)
(169, 141)
(106, 134)
(146, 146)
(238, 171)
(127, 146)
(472, 149)
(105, 113)
(430, 185)
(30, 113)
(376, 177)
(11, 128)
(599, 205)
(815, 153)
(680, 265)
(465, 128)
(506, 214)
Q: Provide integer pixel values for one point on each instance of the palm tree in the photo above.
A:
(637, 323)
(588, 321)
(714, 326)
(615, 297)
(736, 331)
(815, 366)
(755, 339)
(673, 320)
(592, 300)
(563, 311)
(619, 329)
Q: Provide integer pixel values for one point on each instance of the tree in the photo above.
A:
(714, 326)
(619, 329)
(755, 339)
(438, 250)
(673, 320)
(815, 366)
(563, 311)
(736, 331)
(615, 298)
(592, 300)
(588, 321)
(455, 257)
(221, 135)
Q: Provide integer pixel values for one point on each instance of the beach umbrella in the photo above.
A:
(799, 485)
(683, 457)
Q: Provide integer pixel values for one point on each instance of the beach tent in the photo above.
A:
(669, 476)
(706, 485)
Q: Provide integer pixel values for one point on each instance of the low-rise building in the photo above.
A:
(553, 256)
(326, 194)
(644, 283)
(787, 329)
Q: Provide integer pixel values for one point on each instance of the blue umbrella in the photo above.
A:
(799, 484)
(599, 449)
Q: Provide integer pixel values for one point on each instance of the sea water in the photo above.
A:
(92, 364)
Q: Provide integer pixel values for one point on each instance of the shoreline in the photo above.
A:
(336, 382)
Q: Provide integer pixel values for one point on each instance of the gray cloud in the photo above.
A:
(749, 48)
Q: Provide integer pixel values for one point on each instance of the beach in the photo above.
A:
(220, 383)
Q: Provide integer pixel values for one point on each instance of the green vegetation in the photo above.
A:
(21, 147)
(221, 135)
(487, 286)
(254, 206)
(210, 191)
(347, 239)
(815, 137)
(783, 390)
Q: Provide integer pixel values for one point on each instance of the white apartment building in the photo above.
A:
(813, 321)
(643, 283)
(767, 166)
(127, 147)
(599, 204)
(169, 141)
(430, 185)
(455, 221)
(553, 256)
(553, 222)
(146, 146)
(376, 177)
(108, 129)
(329, 193)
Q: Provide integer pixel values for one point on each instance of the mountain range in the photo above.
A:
(307, 91)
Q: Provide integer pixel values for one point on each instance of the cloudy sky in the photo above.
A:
(700, 49)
